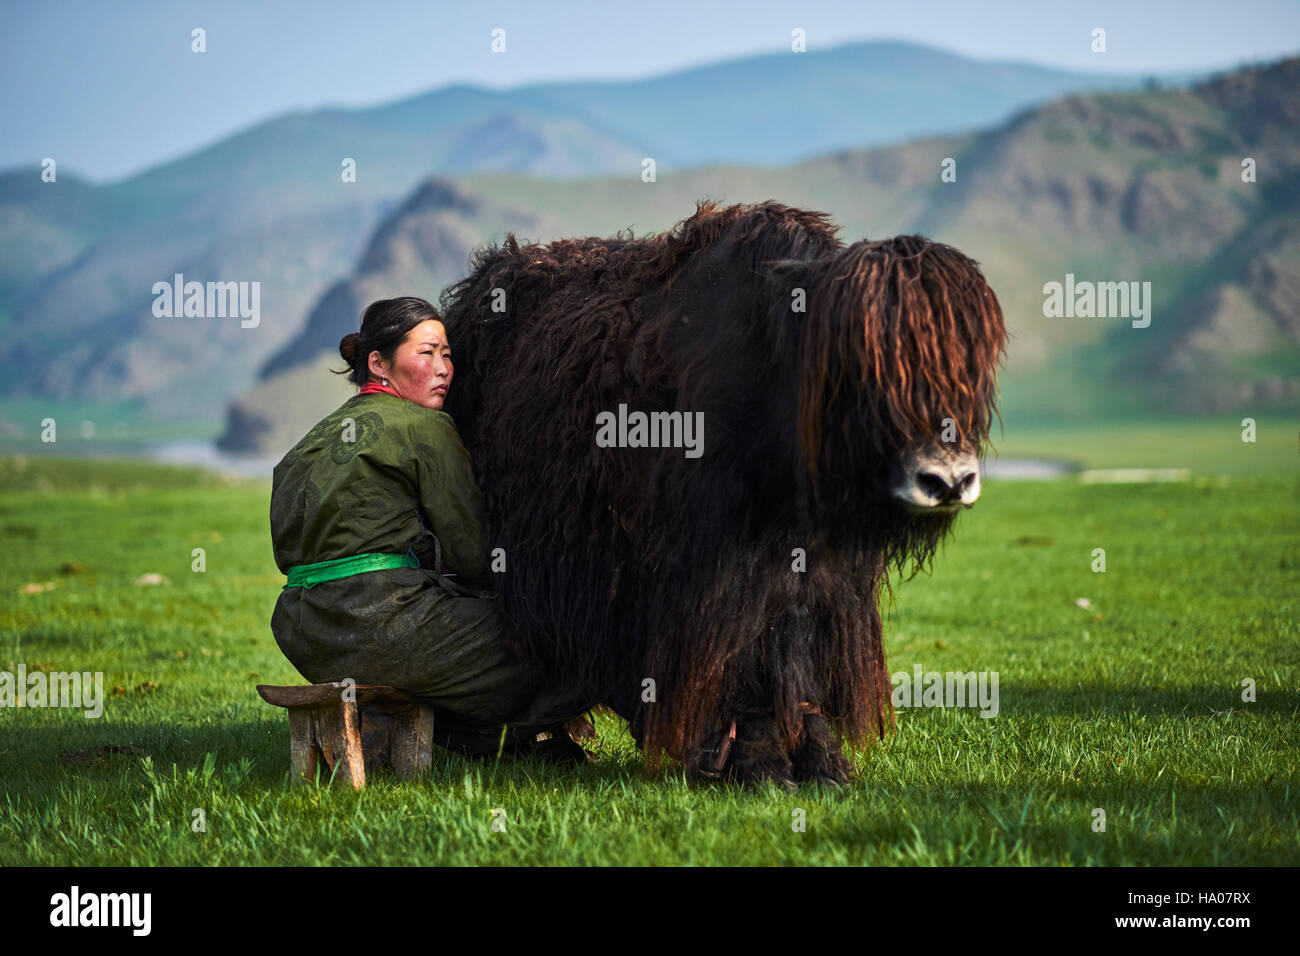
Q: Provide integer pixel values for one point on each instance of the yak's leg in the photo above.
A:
(819, 756)
(758, 753)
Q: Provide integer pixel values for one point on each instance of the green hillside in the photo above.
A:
(1124, 187)
(268, 204)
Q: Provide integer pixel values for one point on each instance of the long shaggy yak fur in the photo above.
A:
(815, 365)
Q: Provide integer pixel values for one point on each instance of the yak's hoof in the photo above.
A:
(777, 778)
(745, 775)
(750, 763)
(761, 759)
(831, 779)
(750, 752)
(820, 759)
(825, 768)
(754, 775)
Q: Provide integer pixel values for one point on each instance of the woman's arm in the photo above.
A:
(451, 499)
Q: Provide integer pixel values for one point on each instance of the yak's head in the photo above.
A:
(898, 352)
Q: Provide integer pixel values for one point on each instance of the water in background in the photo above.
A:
(205, 454)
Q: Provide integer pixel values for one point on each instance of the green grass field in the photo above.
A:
(1131, 705)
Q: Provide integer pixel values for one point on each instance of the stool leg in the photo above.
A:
(413, 742)
(339, 734)
(376, 737)
(304, 755)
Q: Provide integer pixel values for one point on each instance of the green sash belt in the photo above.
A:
(309, 575)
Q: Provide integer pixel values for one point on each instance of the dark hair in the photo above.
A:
(384, 325)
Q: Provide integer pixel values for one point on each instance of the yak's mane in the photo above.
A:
(625, 567)
(927, 349)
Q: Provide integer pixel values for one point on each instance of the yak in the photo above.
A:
(724, 603)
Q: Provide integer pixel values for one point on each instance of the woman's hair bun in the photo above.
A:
(384, 326)
(348, 348)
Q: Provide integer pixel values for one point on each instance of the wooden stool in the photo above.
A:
(322, 725)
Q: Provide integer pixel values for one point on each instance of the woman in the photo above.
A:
(368, 511)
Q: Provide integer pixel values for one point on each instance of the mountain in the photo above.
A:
(423, 246)
(1140, 186)
(782, 107)
(269, 205)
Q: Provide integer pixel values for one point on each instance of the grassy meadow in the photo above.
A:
(1119, 692)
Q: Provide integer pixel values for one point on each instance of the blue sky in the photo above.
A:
(109, 87)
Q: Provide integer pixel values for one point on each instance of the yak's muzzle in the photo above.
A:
(936, 478)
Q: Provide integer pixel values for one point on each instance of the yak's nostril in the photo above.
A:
(965, 481)
(933, 485)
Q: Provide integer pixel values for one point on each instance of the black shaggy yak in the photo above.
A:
(723, 599)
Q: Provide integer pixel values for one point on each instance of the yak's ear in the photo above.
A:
(788, 280)
(783, 271)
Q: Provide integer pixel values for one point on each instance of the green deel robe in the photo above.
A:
(403, 479)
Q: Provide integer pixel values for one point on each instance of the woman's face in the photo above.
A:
(421, 368)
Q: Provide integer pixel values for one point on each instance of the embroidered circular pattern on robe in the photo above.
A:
(365, 431)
